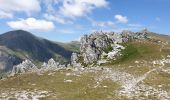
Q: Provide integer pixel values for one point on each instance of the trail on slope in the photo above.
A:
(132, 86)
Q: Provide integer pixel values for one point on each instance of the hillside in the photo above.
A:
(19, 45)
(73, 45)
(133, 70)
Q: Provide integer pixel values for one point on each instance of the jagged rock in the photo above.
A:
(115, 37)
(92, 45)
(115, 52)
(128, 35)
(91, 54)
(25, 66)
(52, 63)
(74, 60)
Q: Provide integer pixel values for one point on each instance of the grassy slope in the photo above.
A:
(81, 87)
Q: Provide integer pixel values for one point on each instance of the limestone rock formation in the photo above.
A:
(74, 60)
(128, 35)
(52, 65)
(25, 66)
(93, 46)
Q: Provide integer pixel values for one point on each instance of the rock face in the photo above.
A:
(93, 46)
(74, 60)
(25, 66)
(128, 35)
(28, 66)
(52, 65)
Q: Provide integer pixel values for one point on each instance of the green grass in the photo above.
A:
(82, 86)
(108, 49)
(140, 51)
(159, 78)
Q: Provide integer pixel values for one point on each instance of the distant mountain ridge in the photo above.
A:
(25, 45)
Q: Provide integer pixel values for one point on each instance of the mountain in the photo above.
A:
(19, 45)
(120, 66)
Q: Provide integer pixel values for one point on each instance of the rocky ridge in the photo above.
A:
(104, 44)
(95, 48)
(27, 66)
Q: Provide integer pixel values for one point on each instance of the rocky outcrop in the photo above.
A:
(74, 60)
(97, 46)
(28, 66)
(25, 66)
(128, 35)
(52, 65)
(115, 52)
(93, 46)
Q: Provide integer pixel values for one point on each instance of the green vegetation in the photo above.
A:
(140, 50)
(73, 46)
(82, 87)
(135, 60)
(108, 49)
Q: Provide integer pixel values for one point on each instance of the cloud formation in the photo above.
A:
(121, 19)
(65, 11)
(32, 24)
(78, 8)
(10, 6)
(57, 19)
(103, 23)
(5, 15)
(20, 5)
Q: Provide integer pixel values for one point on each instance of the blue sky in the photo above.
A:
(68, 20)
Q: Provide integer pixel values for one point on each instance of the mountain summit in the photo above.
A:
(24, 45)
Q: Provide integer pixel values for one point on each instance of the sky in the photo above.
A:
(68, 20)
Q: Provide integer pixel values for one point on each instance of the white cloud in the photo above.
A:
(57, 19)
(5, 14)
(27, 6)
(121, 19)
(32, 24)
(134, 25)
(66, 11)
(78, 8)
(103, 23)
